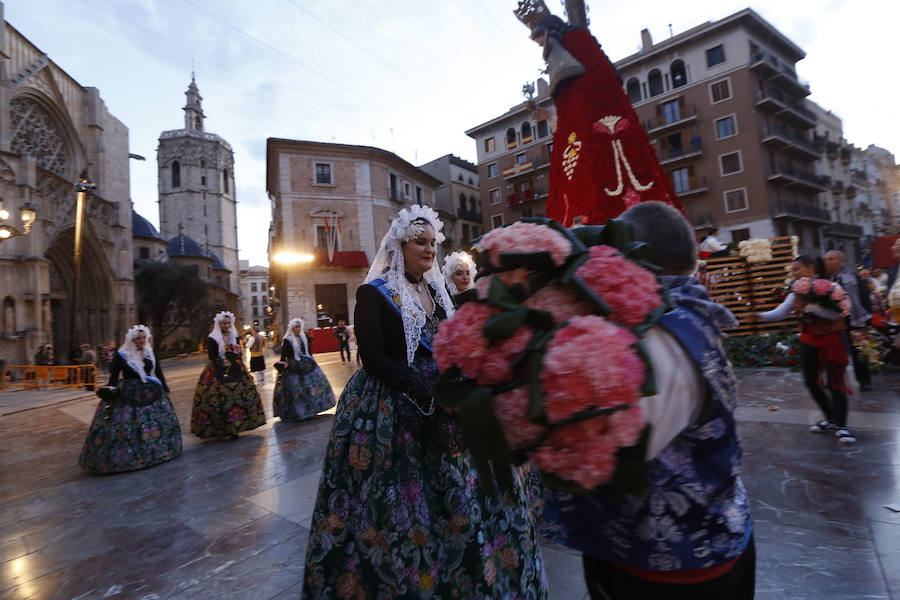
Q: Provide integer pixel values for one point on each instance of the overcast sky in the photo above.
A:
(405, 75)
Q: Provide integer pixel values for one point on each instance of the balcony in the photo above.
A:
(789, 175)
(799, 211)
(843, 230)
(699, 219)
(697, 185)
(468, 215)
(663, 123)
(773, 99)
(846, 154)
(514, 200)
(668, 156)
(526, 167)
(851, 190)
(782, 138)
(837, 187)
(859, 177)
(768, 65)
(764, 63)
(832, 150)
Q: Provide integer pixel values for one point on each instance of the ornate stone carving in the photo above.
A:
(35, 133)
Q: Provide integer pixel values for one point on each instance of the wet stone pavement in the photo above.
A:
(229, 519)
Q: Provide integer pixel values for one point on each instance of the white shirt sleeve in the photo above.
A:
(679, 386)
(712, 244)
(782, 311)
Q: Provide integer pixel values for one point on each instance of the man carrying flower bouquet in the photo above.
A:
(857, 319)
(688, 535)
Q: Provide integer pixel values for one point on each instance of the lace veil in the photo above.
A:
(454, 262)
(388, 265)
(216, 332)
(133, 356)
(298, 343)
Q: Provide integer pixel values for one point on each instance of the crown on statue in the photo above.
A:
(531, 12)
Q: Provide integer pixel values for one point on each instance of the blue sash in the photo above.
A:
(394, 300)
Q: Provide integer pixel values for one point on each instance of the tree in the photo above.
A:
(169, 296)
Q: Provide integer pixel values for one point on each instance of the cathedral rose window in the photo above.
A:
(35, 133)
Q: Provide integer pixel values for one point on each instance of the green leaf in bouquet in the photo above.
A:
(499, 295)
(469, 295)
(649, 386)
(653, 316)
(617, 233)
(590, 413)
(539, 319)
(450, 386)
(537, 343)
(567, 273)
(528, 260)
(600, 307)
(484, 438)
(589, 235)
(504, 325)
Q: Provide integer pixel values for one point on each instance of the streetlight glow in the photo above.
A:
(290, 258)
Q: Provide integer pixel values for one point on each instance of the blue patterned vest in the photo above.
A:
(694, 512)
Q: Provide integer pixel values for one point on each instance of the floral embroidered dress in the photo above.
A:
(400, 511)
(225, 401)
(136, 426)
(301, 390)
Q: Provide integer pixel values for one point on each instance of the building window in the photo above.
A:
(393, 186)
(543, 129)
(323, 174)
(9, 314)
(418, 195)
(462, 202)
(476, 231)
(526, 132)
(255, 311)
(730, 163)
(406, 190)
(253, 300)
(490, 144)
(203, 180)
(176, 174)
(218, 280)
(681, 180)
(520, 159)
(253, 287)
(510, 138)
(671, 111)
(678, 73)
(225, 180)
(633, 89)
(725, 127)
(720, 91)
(656, 82)
(496, 221)
(739, 235)
(736, 200)
(471, 181)
(495, 196)
(492, 170)
(472, 204)
(715, 56)
(465, 233)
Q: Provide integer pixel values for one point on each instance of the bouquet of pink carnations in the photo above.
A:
(233, 352)
(543, 361)
(822, 292)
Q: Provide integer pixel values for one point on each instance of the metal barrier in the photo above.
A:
(29, 377)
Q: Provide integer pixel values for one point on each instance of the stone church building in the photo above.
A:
(51, 128)
(196, 188)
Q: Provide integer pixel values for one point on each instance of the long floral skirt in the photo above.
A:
(400, 511)
(225, 406)
(301, 391)
(136, 430)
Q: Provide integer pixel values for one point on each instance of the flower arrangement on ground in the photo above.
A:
(543, 361)
(822, 292)
(757, 250)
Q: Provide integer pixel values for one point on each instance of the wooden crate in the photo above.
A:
(745, 288)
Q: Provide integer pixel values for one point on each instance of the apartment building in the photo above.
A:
(514, 160)
(331, 205)
(254, 283)
(724, 107)
(457, 200)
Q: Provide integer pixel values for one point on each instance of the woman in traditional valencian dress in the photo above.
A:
(135, 425)
(401, 512)
(301, 390)
(226, 401)
(459, 272)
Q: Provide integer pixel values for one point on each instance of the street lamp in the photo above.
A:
(27, 214)
(81, 188)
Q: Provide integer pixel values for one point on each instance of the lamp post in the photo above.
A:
(27, 214)
(81, 188)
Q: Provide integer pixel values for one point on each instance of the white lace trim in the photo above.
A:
(455, 262)
(388, 265)
(134, 358)
(297, 342)
(216, 333)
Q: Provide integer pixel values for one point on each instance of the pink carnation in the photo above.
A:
(822, 287)
(590, 362)
(509, 278)
(581, 452)
(802, 286)
(511, 409)
(496, 366)
(525, 238)
(629, 290)
(561, 302)
(837, 293)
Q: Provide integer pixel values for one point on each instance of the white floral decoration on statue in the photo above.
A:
(757, 250)
(454, 262)
(216, 333)
(298, 343)
(388, 265)
(134, 358)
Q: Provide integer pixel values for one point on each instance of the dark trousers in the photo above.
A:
(606, 582)
(860, 364)
(834, 409)
(344, 346)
